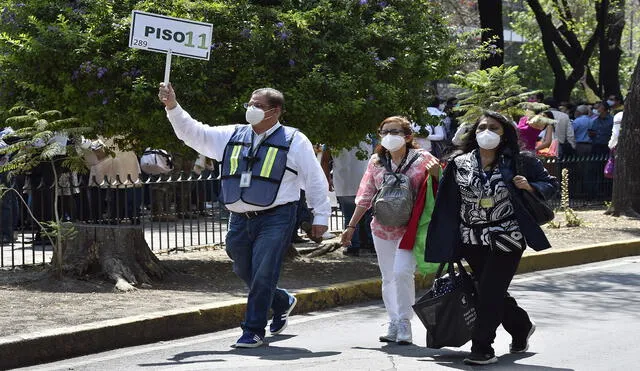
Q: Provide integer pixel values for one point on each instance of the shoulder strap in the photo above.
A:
(408, 165)
(387, 163)
(519, 164)
(293, 134)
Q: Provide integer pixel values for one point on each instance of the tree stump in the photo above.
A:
(119, 252)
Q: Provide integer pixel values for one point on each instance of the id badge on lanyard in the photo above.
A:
(245, 179)
(485, 201)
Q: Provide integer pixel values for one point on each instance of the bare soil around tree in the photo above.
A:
(31, 300)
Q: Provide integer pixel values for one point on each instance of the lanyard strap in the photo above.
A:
(399, 168)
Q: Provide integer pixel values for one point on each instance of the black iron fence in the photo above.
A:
(181, 212)
(587, 184)
(176, 213)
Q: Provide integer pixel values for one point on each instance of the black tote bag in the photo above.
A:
(535, 205)
(448, 309)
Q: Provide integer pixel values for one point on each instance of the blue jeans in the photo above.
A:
(257, 247)
(348, 207)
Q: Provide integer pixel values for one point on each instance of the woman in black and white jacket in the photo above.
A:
(479, 216)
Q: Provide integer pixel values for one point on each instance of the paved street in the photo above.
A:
(587, 319)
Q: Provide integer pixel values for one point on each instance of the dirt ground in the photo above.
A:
(30, 300)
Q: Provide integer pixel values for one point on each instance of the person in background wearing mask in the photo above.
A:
(616, 103)
(600, 130)
(479, 215)
(263, 165)
(397, 266)
(434, 138)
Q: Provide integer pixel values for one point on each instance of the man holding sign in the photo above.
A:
(263, 166)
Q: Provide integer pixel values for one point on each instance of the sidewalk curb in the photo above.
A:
(55, 344)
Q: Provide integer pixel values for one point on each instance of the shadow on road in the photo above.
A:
(270, 353)
(454, 359)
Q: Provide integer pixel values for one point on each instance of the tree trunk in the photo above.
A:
(626, 183)
(119, 252)
(566, 41)
(549, 34)
(610, 51)
(492, 31)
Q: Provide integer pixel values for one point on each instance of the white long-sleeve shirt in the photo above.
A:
(563, 129)
(212, 140)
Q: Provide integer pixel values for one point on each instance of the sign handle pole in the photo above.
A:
(167, 68)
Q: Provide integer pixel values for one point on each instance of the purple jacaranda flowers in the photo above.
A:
(280, 24)
(245, 33)
(86, 67)
(292, 63)
(363, 2)
(283, 35)
(382, 4)
(101, 72)
(105, 101)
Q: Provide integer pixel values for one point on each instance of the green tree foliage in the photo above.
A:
(31, 144)
(343, 64)
(579, 18)
(496, 88)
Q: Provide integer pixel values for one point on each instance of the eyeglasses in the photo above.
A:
(390, 131)
(256, 105)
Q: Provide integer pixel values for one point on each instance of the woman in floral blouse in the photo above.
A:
(396, 266)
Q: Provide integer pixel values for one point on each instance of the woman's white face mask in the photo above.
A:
(393, 142)
(487, 139)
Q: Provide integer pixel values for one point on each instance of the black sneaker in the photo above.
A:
(521, 345)
(480, 359)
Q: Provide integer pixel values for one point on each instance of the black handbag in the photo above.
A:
(534, 204)
(448, 309)
(537, 207)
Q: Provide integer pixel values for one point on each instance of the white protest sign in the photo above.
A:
(174, 36)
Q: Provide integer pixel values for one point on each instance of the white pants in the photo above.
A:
(398, 285)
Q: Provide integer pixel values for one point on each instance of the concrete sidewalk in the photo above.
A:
(54, 344)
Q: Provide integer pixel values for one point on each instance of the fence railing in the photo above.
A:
(176, 213)
(182, 212)
(587, 184)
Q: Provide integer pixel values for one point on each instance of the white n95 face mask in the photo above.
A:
(392, 142)
(488, 139)
(254, 115)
